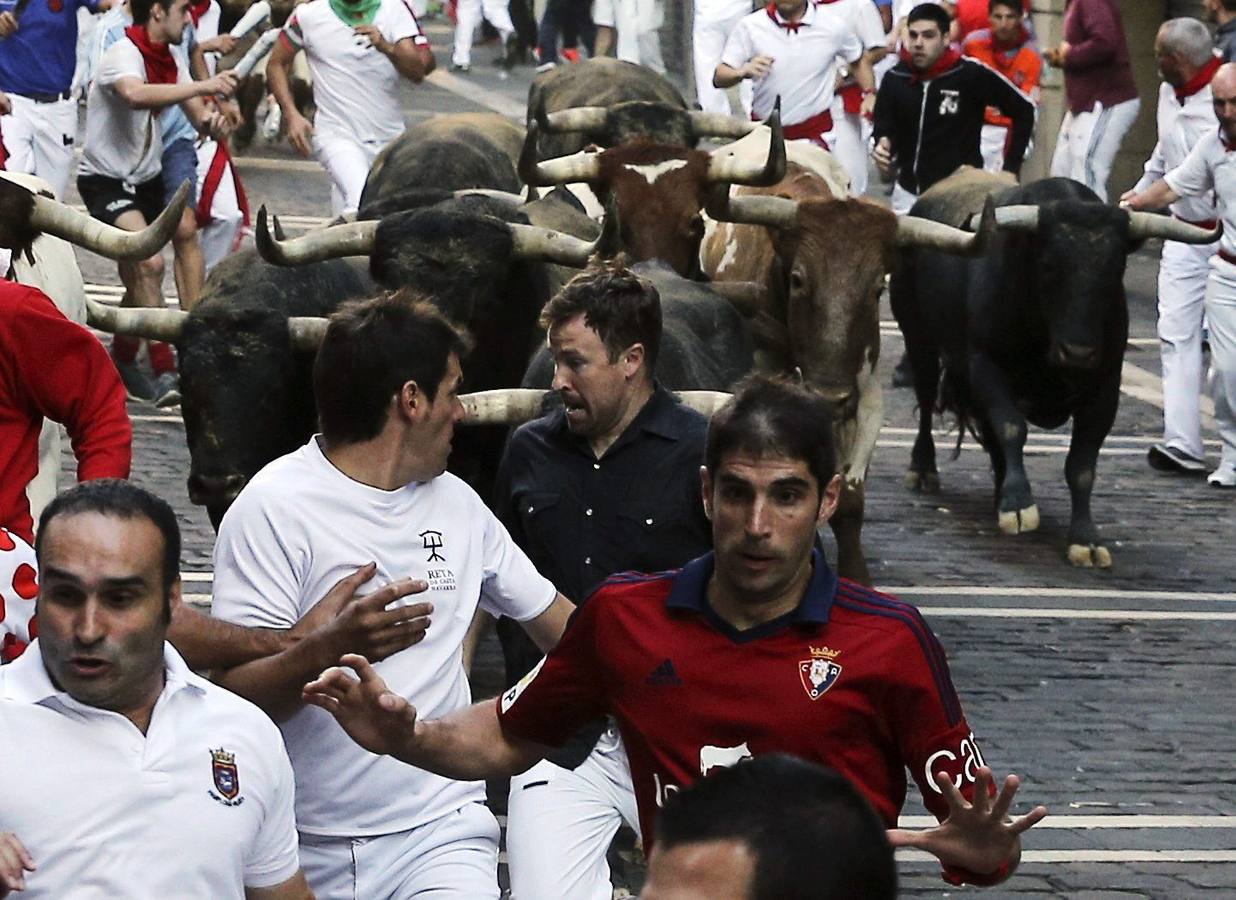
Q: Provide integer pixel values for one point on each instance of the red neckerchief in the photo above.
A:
(1023, 36)
(1198, 81)
(160, 64)
(791, 27)
(197, 10)
(947, 60)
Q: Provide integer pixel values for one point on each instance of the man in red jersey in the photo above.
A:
(1008, 47)
(755, 648)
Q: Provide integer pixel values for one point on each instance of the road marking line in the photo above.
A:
(279, 165)
(1100, 856)
(479, 95)
(1087, 593)
(951, 435)
(1070, 822)
(1115, 615)
(141, 418)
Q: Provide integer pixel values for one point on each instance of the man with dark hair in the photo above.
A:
(103, 723)
(1007, 47)
(771, 828)
(119, 177)
(606, 484)
(1223, 14)
(931, 106)
(367, 497)
(756, 648)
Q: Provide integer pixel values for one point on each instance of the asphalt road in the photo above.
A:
(1102, 689)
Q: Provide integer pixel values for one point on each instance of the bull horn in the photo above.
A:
(350, 239)
(1149, 225)
(502, 196)
(152, 324)
(55, 218)
(748, 297)
(725, 167)
(763, 209)
(582, 166)
(533, 242)
(1020, 217)
(913, 231)
(589, 119)
(514, 406)
(706, 124)
(306, 332)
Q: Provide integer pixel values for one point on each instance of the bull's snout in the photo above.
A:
(205, 490)
(1075, 356)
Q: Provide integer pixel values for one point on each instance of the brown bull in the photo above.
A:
(823, 257)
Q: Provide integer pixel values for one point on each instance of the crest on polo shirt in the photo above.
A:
(820, 672)
(226, 777)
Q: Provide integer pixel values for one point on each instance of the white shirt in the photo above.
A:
(1181, 127)
(199, 806)
(863, 17)
(121, 142)
(1210, 167)
(354, 86)
(299, 527)
(720, 10)
(805, 60)
(18, 589)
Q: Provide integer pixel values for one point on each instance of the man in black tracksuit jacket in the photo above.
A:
(929, 110)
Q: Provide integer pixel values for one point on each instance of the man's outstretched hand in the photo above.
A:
(15, 862)
(375, 717)
(977, 836)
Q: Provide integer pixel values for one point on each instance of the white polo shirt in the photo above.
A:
(1181, 127)
(354, 86)
(805, 59)
(1210, 167)
(18, 589)
(300, 526)
(200, 806)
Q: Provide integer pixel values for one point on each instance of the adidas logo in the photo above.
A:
(663, 674)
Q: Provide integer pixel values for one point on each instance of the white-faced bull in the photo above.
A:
(1033, 332)
(822, 257)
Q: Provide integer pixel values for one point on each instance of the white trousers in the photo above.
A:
(468, 15)
(1089, 141)
(560, 823)
(454, 857)
(991, 145)
(220, 236)
(902, 200)
(707, 43)
(347, 161)
(638, 27)
(39, 139)
(851, 136)
(1221, 320)
(1183, 272)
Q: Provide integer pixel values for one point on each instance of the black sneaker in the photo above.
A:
(136, 382)
(167, 390)
(1169, 459)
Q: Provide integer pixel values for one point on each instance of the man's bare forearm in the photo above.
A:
(209, 643)
(469, 745)
(274, 683)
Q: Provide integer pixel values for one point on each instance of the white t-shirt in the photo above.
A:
(863, 17)
(1181, 127)
(121, 142)
(805, 60)
(1210, 167)
(200, 806)
(299, 527)
(354, 86)
(18, 589)
(720, 10)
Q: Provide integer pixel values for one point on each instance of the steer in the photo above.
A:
(657, 189)
(1034, 331)
(822, 256)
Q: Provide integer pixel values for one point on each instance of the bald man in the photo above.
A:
(1210, 168)
(1187, 63)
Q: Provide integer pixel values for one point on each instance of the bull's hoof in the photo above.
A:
(1020, 520)
(1090, 556)
(923, 482)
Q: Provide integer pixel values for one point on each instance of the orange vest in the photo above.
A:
(1021, 66)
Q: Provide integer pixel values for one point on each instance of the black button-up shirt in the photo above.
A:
(580, 519)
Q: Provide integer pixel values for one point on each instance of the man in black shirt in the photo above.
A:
(930, 107)
(1223, 14)
(608, 483)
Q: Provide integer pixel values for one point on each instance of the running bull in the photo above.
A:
(1032, 332)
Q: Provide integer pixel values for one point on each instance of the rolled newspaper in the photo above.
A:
(255, 53)
(251, 19)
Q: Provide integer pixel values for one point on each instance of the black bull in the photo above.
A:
(1032, 332)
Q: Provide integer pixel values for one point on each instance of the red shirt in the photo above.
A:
(1020, 64)
(852, 679)
(975, 14)
(53, 368)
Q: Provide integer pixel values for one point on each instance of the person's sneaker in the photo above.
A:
(461, 68)
(1169, 459)
(137, 384)
(546, 66)
(167, 390)
(1223, 477)
(570, 54)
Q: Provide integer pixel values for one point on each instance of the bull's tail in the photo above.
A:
(953, 397)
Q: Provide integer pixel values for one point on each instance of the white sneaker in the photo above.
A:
(1223, 477)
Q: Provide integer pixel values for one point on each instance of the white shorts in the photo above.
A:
(454, 857)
